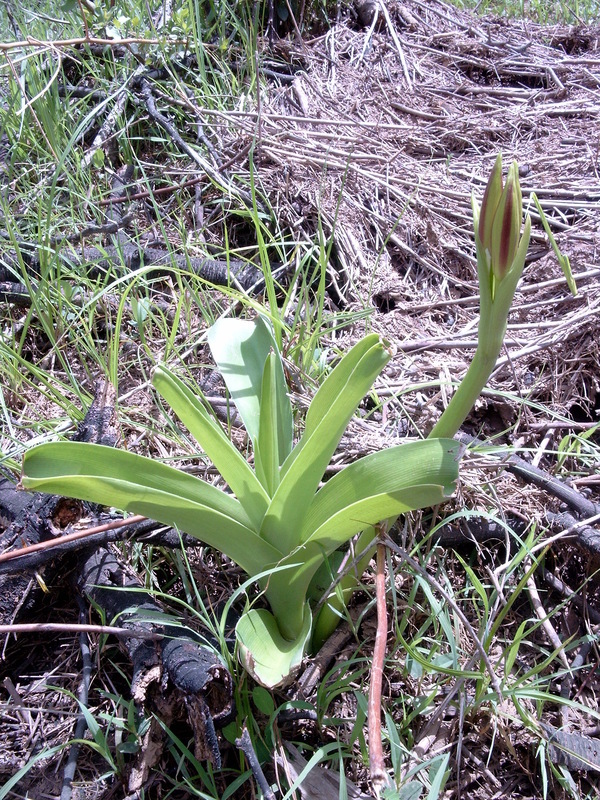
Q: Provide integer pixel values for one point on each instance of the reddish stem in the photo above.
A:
(379, 777)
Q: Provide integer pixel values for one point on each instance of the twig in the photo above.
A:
(244, 743)
(49, 44)
(394, 35)
(544, 618)
(378, 773)
(317, 666)
(67, 627)
(70, 537)
(82, 696)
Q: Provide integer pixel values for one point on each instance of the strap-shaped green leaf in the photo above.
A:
(233, 467)
(336, 402)
(404, 478)
(412, 464)
(286, 594)
(143, 486)
(267, 451)
(240, 349)
(331, 389)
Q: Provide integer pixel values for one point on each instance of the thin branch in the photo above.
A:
(70, 537)
(49, 44)
(244, 743)
(82, 696)
(67, 627)
(379, 776)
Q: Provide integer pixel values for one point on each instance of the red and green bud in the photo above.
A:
(491, 198)
(499, 225)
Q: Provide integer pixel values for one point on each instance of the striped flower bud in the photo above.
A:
(499, 225)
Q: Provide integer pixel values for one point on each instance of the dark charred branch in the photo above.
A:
(177, 671)
(583, 509)
(97, 261)
(178, 675)
(38, 517)
(43, 518)
(147, 530)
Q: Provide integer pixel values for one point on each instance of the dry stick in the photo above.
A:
(90, 40)
(70, 537)
(85, 22)
(67, 627)
(244, 743)
(379, 776)
(82, 697)
(544, 618)
(394, 35)
(203, 163)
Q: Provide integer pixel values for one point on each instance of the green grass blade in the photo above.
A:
(240, 349)
(143, 486)
(208, 433)
(562, 259)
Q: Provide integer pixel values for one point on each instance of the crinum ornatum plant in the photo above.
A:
(276, 521)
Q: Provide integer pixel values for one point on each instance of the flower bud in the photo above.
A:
(499, 226)
(491, 198)
(506, 228)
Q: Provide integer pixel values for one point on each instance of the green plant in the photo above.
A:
(279, 527)
(501, 251)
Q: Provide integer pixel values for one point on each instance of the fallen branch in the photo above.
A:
(132, 257)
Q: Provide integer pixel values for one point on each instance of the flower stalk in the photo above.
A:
(501, 251)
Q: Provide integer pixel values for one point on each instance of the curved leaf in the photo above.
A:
(232, 465)
(266, 655)
(430, 461)
(140, 485)
(267, 452)
(336, 402)
(240, 349)
(380, 486)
